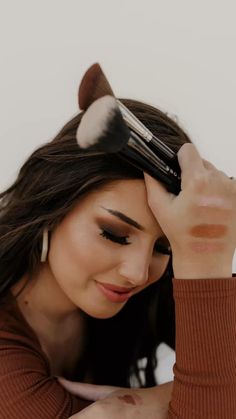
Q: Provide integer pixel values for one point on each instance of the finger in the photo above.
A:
(157, 195)
(191, 164)
(86, 391)
(208, 165)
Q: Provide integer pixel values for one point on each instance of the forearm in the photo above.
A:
(151, 403)
(205, 370)
(162, 395)
(189, 265)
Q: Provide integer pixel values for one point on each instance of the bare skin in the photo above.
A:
(151, 403)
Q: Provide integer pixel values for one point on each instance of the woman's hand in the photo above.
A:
(116, 403)
(200, 222)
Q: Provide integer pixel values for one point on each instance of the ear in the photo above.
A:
(93, 86)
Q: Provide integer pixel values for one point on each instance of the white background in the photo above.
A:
(176, 55)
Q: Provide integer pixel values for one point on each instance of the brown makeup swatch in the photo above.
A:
(209, 231)
(127, 398)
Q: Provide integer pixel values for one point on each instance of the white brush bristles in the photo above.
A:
(95, 121)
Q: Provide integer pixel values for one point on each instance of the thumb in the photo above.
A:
(190, 162)
(157, 195)
(86, 391)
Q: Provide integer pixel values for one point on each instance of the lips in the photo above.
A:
(114, 293)
(116, 288)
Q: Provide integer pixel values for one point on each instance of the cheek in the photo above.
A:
(67, 252)
(78, 254)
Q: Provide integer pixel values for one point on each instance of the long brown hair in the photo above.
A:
(49, 184)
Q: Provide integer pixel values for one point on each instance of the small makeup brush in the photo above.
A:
(103, 129)
(94, 85)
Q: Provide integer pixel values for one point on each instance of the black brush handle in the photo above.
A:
(169, 158)
(160, 149)
(171, 182)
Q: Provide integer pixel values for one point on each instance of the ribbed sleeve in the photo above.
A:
(205, 369)
(27, 391)
(27, 388)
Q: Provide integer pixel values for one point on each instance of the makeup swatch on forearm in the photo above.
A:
(212, 215)
(130, 399)
(209, 231)
(213, 209)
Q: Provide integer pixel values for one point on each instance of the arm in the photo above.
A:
(200, 224)
(115, 403)
(26, 388)
(205, 369)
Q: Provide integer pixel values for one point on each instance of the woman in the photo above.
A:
(74, 226)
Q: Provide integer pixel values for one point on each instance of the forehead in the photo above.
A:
(126, 196)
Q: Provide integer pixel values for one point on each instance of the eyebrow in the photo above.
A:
(125, 218)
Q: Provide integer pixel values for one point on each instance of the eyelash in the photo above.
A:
(159, 248)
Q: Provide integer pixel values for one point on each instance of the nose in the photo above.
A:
(136, 271)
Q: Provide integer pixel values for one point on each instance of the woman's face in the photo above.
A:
(110, 239)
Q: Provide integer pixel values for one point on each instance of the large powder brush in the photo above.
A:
(108, 126)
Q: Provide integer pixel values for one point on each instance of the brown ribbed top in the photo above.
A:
(205, 368)
(27, 388)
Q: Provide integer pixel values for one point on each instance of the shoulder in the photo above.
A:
(14, 329)
(26, 387)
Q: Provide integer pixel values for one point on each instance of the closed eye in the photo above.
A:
(123, 240)
(114, 238)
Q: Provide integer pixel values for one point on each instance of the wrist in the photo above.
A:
(201, 269)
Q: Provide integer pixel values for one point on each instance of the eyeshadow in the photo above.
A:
(113, 227)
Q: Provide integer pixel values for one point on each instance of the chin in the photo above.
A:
(103, 313)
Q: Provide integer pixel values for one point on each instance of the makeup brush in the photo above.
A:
(100, 123)
(94, 85)
(103, 129)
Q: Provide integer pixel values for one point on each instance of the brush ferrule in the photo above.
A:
(137, 126)
(136, 143)
(134, 123)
